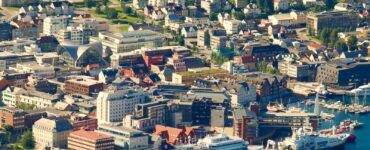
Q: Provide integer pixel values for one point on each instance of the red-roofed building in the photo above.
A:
(176, 136)
(89, 140)
(84, 122)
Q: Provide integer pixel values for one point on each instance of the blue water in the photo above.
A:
(362, 134)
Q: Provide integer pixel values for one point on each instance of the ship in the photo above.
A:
(303, 139)
(363, 90)
(275, 107)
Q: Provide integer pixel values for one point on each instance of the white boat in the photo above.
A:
(363, 90)
(303, 139)
(327, 116)
(275, 107)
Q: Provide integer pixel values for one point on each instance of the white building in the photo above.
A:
(129, 41)
(231, 26)
(126, 138)
(114, 104)
(13, 95)
(288, 19)
(51, 133)
(53, 24)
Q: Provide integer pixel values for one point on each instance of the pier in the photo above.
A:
(288, 120)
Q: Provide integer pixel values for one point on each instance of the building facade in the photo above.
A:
(332, 19)
(129, 41)
(89, 140)
(113, 104)
(51, 133)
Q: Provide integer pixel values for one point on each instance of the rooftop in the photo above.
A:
(90, 135)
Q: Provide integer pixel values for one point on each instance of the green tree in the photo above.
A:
(89, 3)
(352, 43)
(181, 40)
(213, 16)
(27, 141)
(98, 9)
(340, 46)
(239, 15)
(334, 36)
(189, 2)
(111, 13)
(105, 2)
(329, 4)
(325, 36)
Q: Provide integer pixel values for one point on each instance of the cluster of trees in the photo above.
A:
(265, 68)
(25, 106)
(329, 37)
(218, 58)
(25, 142)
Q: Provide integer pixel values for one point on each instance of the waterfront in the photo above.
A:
(362, 134)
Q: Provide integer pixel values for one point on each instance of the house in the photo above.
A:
(139, 4)
(281, 5)
(153, 13)
(189, 32)
(24, 29)
(252, 10)
(108, 75)
(268, 87)
(144, 26)
(176, 136)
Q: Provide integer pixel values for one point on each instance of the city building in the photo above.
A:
(231, 26)
(176, 136)
(14, 95)
(5, 30)
(53, 24)
(147, 115)
(129, 41)
(243, 94)
(293, 19)
(84, 85)
(89, 140)
(139, 4)
(13, 117)
(114, 104)
(82, 121)
(297, 70)
(245, 124)
(218, 117)
(343, 72)
(43, 71)
(211, 6)
(125, 138)
(263, 52)
(331, 19)
(7, 3)
(190, 76)
(51, 133)
(24, 29)
(269, 87)
(81, 55)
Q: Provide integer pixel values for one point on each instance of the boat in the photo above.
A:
(308, 139)
(275, 107)
(338, 105)
(363, 90)
(326, 116)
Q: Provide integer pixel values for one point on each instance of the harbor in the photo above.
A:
(331, 106)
